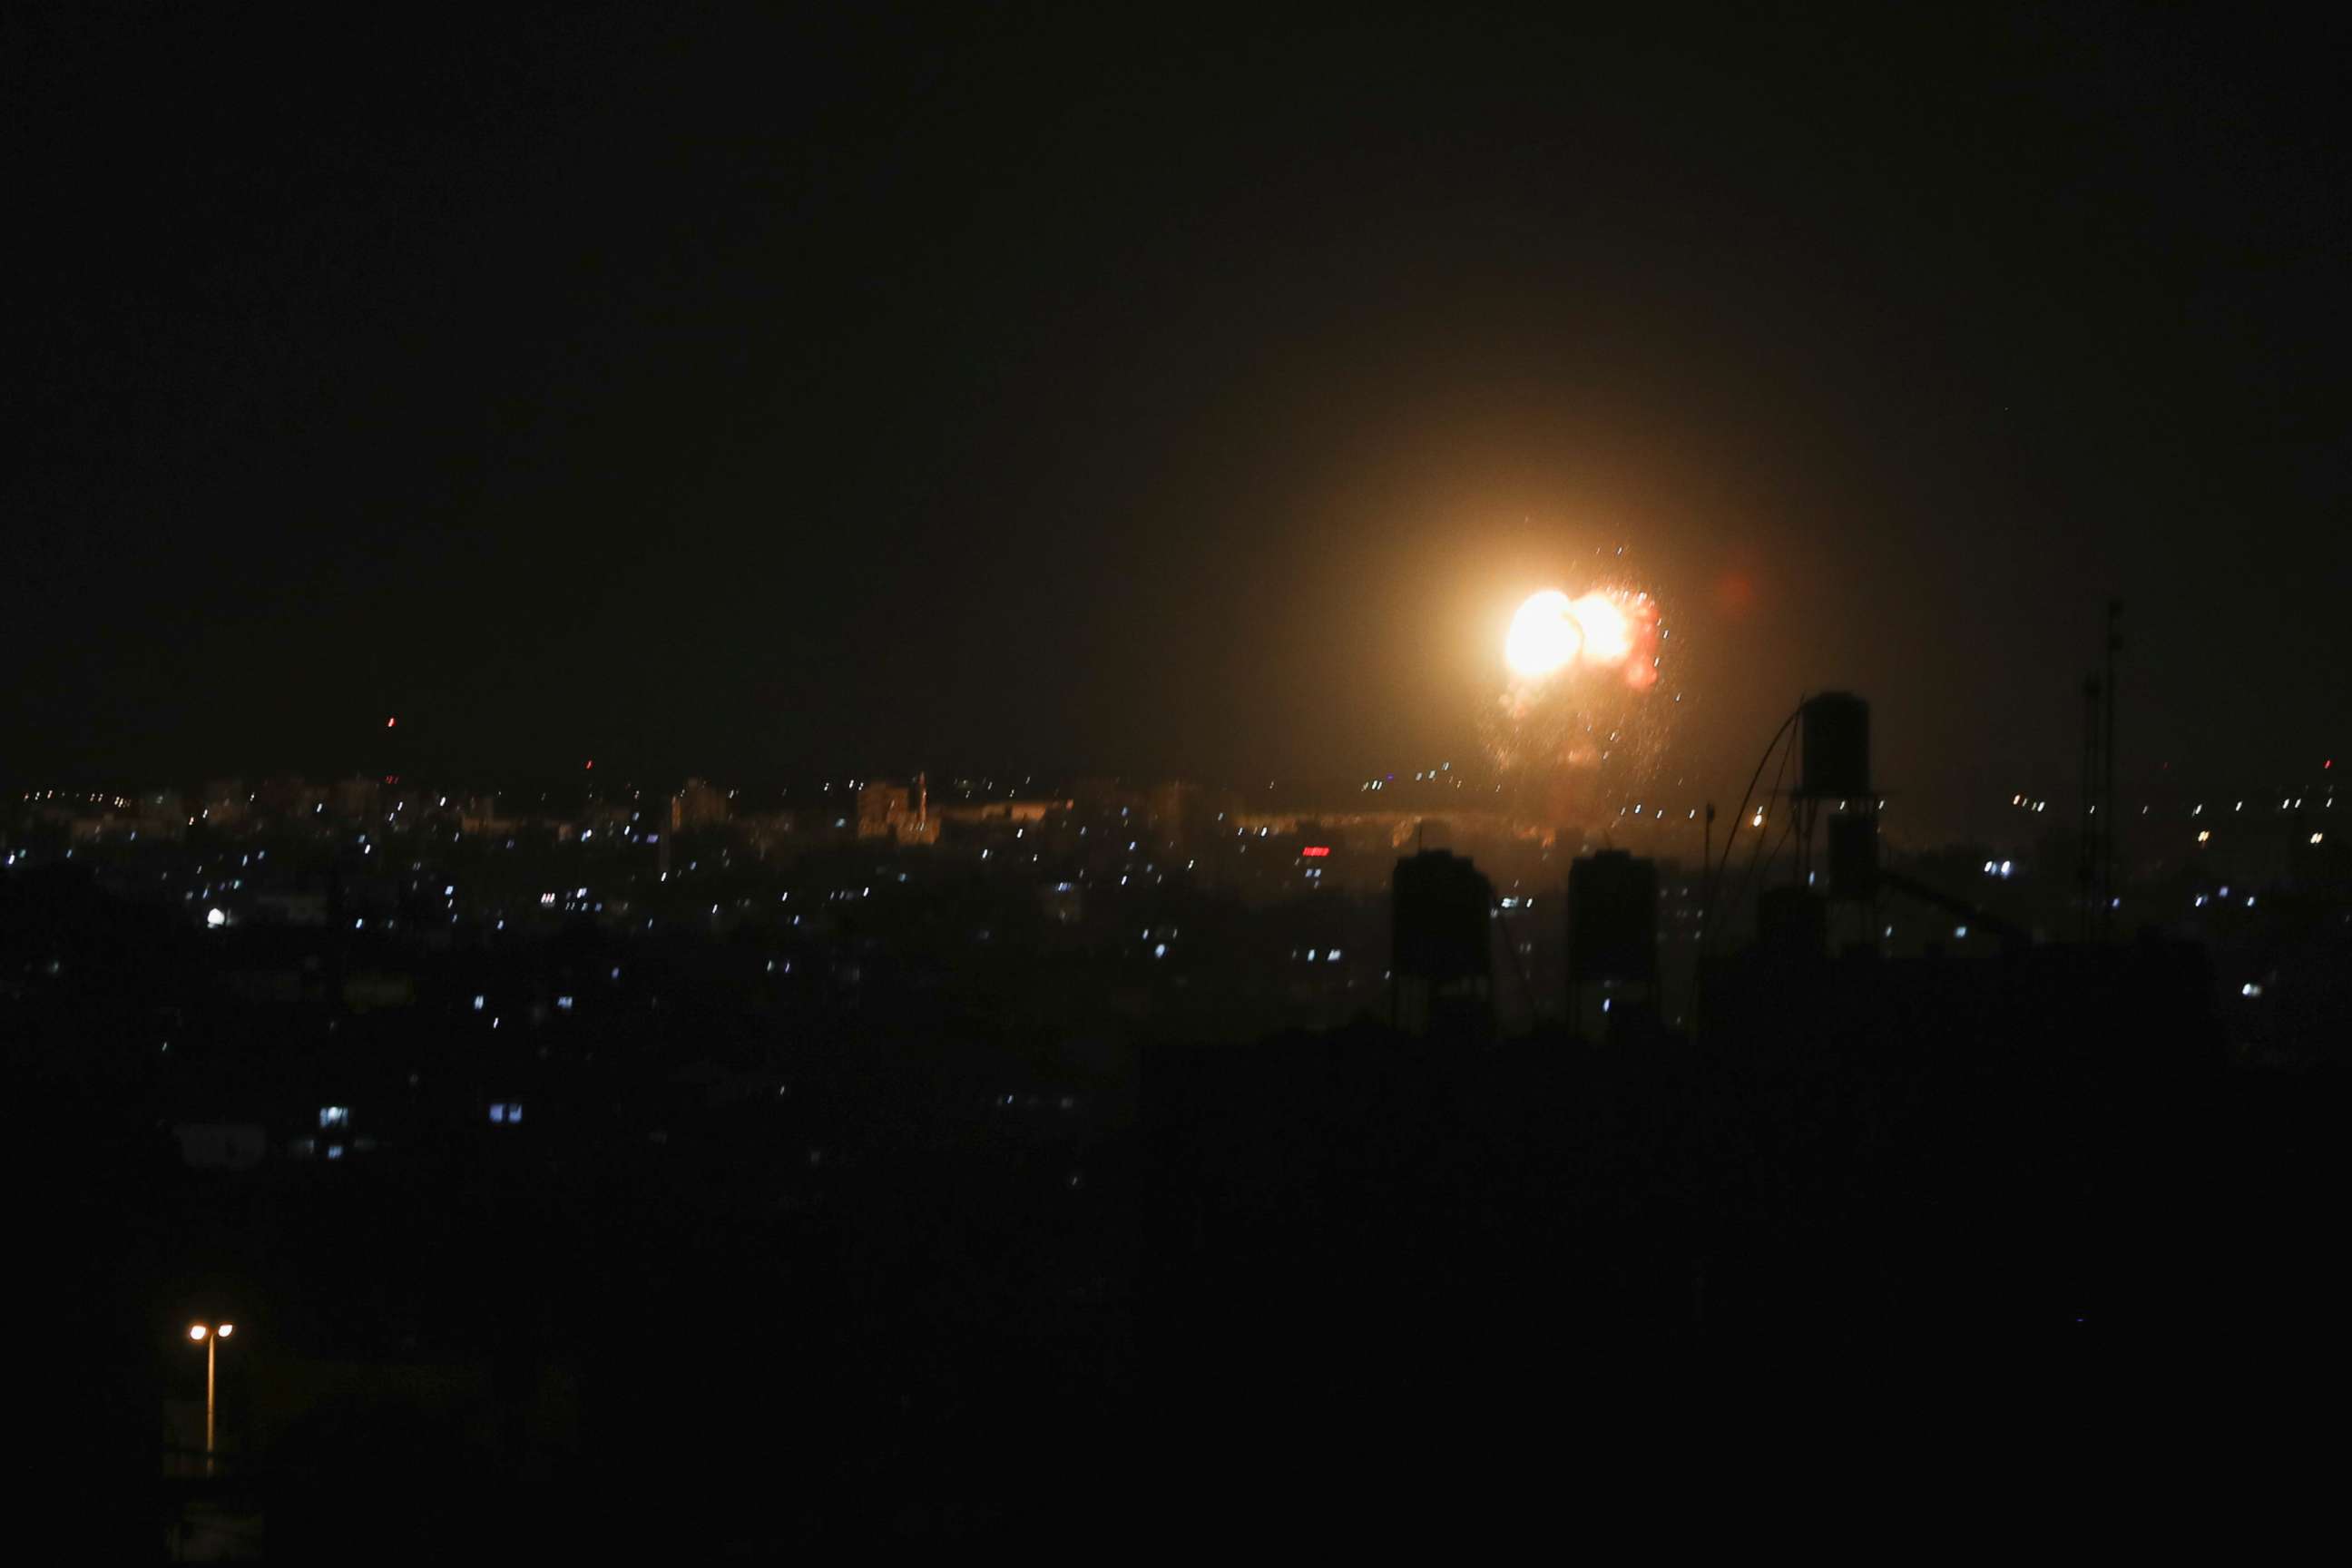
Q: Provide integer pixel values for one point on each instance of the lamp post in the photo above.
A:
(209, 1335)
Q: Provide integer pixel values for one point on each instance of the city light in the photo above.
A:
(209, 1336)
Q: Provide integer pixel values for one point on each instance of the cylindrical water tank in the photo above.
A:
(1612, 918)
(1836, 736)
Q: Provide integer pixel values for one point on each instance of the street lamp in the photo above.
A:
(209, 1335)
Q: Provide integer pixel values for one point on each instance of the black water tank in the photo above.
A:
(1612, 918)
(1441, 908)
(1836, 747)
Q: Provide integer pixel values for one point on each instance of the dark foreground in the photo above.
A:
(2004, 1228)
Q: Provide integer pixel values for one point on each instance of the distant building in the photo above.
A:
(922, 827)
(100, 818)
(699, 804)
(1172, 810)
(762, 830)
(288, 796)
(223, 803)
(900, 813)
(1007, 813)
(886, 809)
(164, 814)
(606, 818)
(881, 807)
(357, 797)
(1107, 797)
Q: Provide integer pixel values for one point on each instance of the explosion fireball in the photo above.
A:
(1602, 630)
(1577, 721)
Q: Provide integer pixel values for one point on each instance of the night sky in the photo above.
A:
(849, 389)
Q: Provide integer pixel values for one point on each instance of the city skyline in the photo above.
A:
(848, 392)
(1049, 778)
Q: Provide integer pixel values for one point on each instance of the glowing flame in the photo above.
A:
(1544, 636)
(1604, 630)
(1608, 633)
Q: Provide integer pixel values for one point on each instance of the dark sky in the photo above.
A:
(760, 390)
